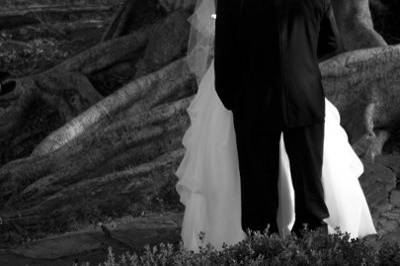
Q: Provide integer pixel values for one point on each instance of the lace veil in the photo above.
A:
(201, 39)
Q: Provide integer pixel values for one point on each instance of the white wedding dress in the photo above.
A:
(209, 180)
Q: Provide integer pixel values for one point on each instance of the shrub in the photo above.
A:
(313, 248)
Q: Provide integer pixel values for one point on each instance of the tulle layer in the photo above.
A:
(209, 184)
(209, 180)
(341, 169)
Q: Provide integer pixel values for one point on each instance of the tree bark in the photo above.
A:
(30, 15)
(129, 138)
(356, 28)
(67, 91)
(364, 86)
(120, 21)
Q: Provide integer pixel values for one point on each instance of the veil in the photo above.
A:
(201, 38)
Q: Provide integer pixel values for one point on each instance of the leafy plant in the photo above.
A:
(314, 248)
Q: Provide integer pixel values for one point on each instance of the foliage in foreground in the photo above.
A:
(262, 249)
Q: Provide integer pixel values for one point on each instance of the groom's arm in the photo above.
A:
(329, 43)
(224, 51)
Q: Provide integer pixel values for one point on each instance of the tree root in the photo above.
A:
(364, 86)
(117, 131)
(66, 89)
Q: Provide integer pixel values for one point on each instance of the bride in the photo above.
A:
(209, 180)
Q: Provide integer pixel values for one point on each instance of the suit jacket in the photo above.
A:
(266, 59)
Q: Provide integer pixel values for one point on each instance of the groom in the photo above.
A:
(266, 72)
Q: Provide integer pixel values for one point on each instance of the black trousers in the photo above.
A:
(258, 151)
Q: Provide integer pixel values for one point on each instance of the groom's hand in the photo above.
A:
(170, 5)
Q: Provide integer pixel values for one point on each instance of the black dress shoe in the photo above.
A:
(300, 230)
(271, 229)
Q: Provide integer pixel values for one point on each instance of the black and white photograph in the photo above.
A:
(199, 132)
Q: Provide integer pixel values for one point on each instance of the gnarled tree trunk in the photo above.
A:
(355, 24)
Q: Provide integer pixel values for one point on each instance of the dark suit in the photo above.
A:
(267, 73)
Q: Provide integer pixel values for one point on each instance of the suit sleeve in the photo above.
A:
(329, 43)
(224, 51)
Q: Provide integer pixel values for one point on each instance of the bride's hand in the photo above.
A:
(170, 5)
